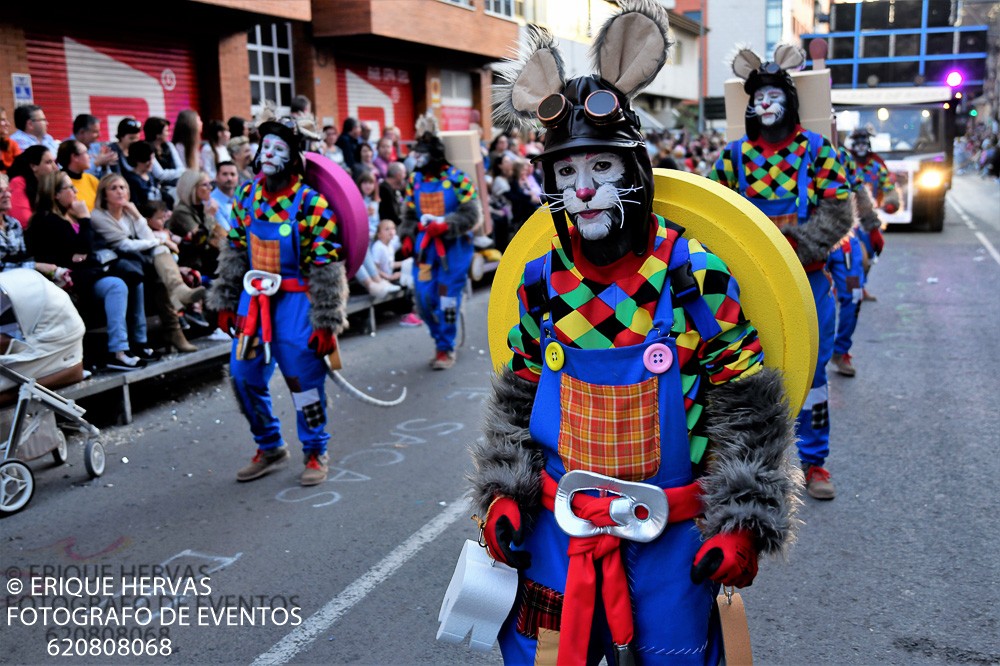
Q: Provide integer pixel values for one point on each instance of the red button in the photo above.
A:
(657, 358)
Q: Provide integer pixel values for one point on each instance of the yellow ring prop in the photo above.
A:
(774, 290)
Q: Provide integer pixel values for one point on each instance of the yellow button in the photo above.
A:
(554, 356)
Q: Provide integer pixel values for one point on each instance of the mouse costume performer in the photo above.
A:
(873, 188)
(442, 211)
(282, 288)
(795, 177)
(634, 371)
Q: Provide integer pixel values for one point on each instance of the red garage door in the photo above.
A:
(72, 74)
(379, 95)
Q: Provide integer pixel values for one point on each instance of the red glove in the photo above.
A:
(437, 228)
(728, 558)
(878, 241)
(503, 528)
(227, 321)
(406, 247)
(323, 342)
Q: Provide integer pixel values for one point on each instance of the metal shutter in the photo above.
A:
(73, 74)
(380, 95)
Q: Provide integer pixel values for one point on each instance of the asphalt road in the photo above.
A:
(900, 569)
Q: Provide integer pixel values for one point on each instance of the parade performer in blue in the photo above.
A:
(874, 188)
(442, 211)
(282, 290)
(848, 265)
(795, 177)
(633, 368)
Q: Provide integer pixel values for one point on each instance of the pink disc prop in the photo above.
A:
(345, 199)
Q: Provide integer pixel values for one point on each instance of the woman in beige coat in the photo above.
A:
(119, 223)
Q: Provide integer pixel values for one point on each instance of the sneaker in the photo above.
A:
(866, 296)
(196, 318)
(146, 354)
(411, 319)
(264, 462)
(122, 361)
(378, 289)
(443, 360)
(316, 469)
(844, 365)
(218, 335)
(392, 288)
(818, 483)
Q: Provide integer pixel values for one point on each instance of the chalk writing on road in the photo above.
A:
(379, 454)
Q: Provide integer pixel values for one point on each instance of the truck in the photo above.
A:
(913, 131)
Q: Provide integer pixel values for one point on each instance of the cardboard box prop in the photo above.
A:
(462, 150)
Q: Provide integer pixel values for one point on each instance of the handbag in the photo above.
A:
(130, 267)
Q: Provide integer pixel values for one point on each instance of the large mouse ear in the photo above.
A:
(744, 62)
(526, 81)
(789, 57)
(631, 48)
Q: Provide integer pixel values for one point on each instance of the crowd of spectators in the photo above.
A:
(137, 222)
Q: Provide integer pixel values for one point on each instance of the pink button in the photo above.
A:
(657, 358)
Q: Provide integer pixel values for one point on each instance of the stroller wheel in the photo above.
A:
(93, 458)
(61, 453)
(17, 485)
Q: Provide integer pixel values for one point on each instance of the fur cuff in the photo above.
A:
(863, 204)
(751, 484)
(507, 462)
(464, 219)
(328, 296)
(829, 222)
(224, 294)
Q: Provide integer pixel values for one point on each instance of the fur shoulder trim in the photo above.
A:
(506, 461)
(328, 294)
(751, 483)
(224, 294)
(828, 223)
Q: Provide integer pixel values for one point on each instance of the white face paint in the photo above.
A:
(275, 154)
(420, 159)
(590, 185)
(860, 148)
(769, 105)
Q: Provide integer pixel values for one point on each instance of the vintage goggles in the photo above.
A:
(601, 107)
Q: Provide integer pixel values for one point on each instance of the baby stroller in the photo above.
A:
(40, 348)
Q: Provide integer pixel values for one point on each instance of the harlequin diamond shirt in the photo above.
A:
(876, 175)
(451, 178)
(613, 306)
(317, 223)
(770, 169)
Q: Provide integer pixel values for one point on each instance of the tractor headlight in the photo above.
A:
(930, 179)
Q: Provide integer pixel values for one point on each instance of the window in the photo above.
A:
(500, 7)
(773, 24)
(269, 49)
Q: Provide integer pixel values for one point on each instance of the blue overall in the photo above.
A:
(673, 617)
(813, 423)
(848, 273)
(304, 373)
(440, 281)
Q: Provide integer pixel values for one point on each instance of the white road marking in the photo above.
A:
(979, 234)
(303, 635)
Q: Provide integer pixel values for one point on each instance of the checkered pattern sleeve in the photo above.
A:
(410, 204)
(724, 172)
(736, 351)
(239, 219)
(465, 191)
(524, 340)
(318, 231)
(884, 181)
(854, 177)
(829, 174)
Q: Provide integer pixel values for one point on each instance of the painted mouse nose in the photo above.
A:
(585, 193)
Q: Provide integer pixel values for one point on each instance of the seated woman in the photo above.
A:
(28, 167)
(60, 233)
(193, 220)
(118, 222)
(142, 184)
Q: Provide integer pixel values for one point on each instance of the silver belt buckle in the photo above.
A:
(269, 283)
(633, 497)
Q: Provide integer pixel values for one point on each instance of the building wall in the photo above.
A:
(13, 60)
(731, 22)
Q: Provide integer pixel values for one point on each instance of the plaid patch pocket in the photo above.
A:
(432, 203)
(541, 608)
(266, 254)
(612, 430)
